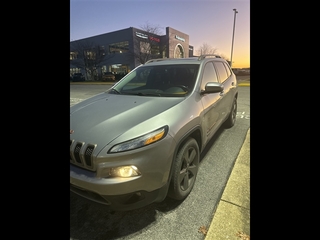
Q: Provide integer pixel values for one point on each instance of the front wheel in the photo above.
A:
(185, 170)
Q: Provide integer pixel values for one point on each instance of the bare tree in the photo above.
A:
(206, 49)
(154, 29)
(225, 57)
(90, 57)
(146, 46)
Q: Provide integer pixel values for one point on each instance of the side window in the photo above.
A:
(228, 70)
(221, 71)
(209, 75)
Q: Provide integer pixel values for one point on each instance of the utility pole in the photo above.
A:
(234, 25)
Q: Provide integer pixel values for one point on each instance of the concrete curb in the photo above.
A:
(232, 217)
(244, 84)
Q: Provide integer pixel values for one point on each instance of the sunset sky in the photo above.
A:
(205, 21)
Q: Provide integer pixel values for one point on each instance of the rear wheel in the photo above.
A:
(185, 170)
(232, 116)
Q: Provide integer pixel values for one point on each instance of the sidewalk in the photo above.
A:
(244, 83)
(232, 217)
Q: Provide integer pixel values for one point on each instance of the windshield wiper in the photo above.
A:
(142, 94)
(149, 94)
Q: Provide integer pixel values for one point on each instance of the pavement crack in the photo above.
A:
(235, 204)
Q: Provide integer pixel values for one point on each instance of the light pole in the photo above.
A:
(234, 24)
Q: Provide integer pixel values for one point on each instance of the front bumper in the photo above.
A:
(124, 202)
(127, 193)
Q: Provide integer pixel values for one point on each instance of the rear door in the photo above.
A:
(211, 103)
(229, 84)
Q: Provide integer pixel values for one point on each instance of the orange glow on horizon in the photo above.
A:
(241, 62)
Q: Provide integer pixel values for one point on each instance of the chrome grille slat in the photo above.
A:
(88, 154)
(81, 154)
(77, 152)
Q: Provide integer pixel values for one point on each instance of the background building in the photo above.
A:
(123, 50)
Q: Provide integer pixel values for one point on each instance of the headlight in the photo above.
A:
(142, 141)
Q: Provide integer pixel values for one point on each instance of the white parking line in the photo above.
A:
(243, 115)
(75, 100)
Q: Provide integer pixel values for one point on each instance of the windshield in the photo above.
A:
(164, 80)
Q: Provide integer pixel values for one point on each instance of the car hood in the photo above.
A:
(104, 117)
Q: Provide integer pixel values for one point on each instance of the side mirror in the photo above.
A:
(213, 87)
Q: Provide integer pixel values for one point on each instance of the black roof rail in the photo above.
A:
(164, 59)
(158, 60)
(208, 55)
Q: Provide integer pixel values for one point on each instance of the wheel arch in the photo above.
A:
(195, 133)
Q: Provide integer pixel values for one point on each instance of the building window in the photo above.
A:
(90, 55)
(144, 47)
(102, 51)
(120, 47)
(155, 50)
(74, 70)
(73, 55)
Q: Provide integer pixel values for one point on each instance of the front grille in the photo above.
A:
(76, 152)
(70, 151)
(81, 154)
(88, 154)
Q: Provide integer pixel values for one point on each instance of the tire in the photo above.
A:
(185, 170)
(232, 116)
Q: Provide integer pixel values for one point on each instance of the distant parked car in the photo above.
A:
(108, 77)
(78, 77)
(141, 140)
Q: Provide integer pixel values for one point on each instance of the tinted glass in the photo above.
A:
(209, 75)
(222, 72)
(228, 70)
(161, 80)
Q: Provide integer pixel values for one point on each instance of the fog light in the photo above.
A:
(125, 171)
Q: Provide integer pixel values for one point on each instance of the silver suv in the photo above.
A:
(141, 140)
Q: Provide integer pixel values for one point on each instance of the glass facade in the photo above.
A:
(106, 53)
(120, 47)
